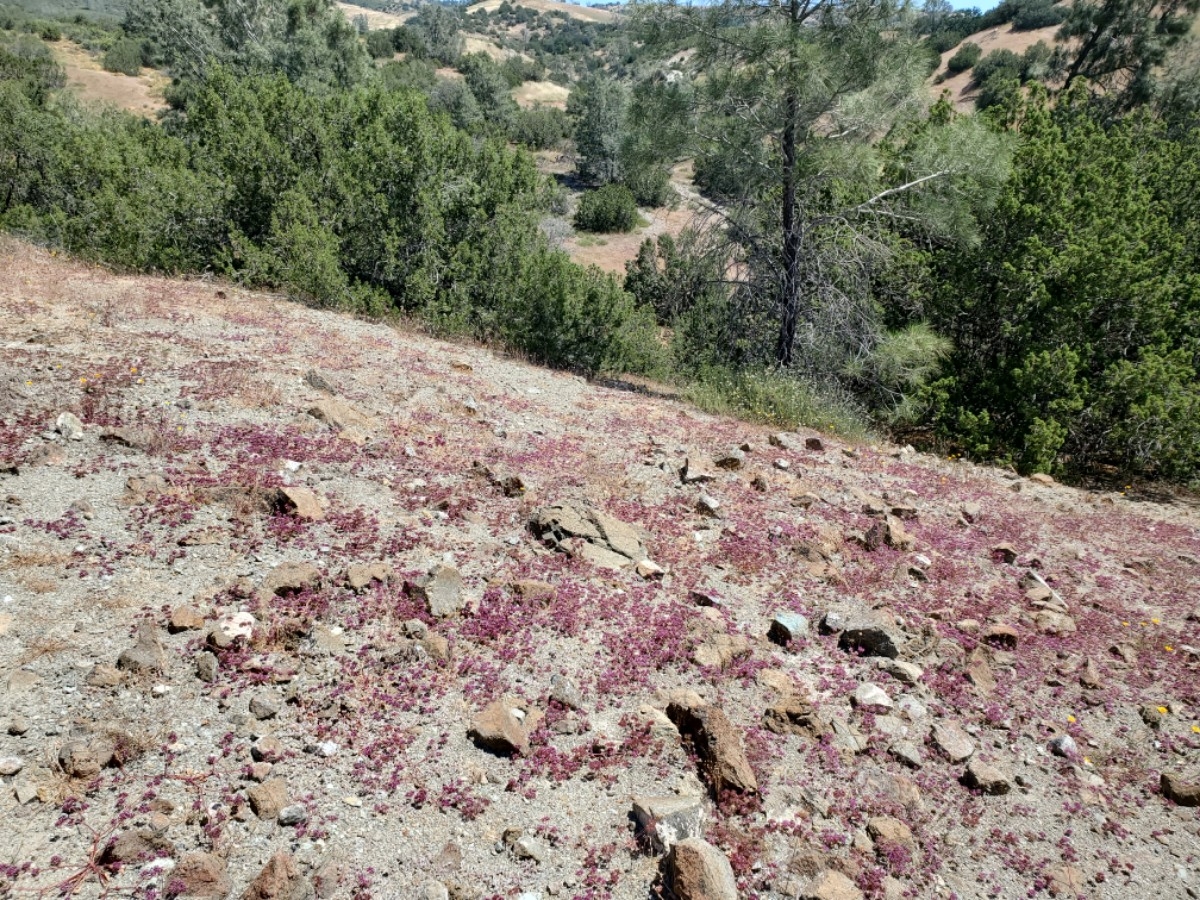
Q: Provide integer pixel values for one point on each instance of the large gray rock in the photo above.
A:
(590, 533)
(146, 655)
(441, 589)
(665, 821)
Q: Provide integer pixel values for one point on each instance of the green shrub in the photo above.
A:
(650, 186)
(1038, 14)
(51, 33)
(1003, 62)
(966, 57)
(608, 209)
(380, 44)
(776, 399)
(124, 56)
(541, 127)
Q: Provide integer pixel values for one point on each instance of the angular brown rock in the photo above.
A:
(280, 879)
(717, 743)
(699, 871)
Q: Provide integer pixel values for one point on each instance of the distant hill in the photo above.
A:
(584, 13)
(1001, 37)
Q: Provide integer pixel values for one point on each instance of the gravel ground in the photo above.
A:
(221, 648)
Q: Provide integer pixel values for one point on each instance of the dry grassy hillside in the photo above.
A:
(586, 13)
(1003, 37)
(296, 605)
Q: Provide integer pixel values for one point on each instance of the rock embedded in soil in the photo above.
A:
(787, 626)
(68, 425)
(280, 879)
(664, 821)
(872, 633)
(564, 691)
(1063, 745)
(291, 578)
(718, 745)
(206, 666)
(441, 590)
(498, 729)
(264, 706)
(202, 875)
(732, 459)
(102, 675)
(871, 696)
(268, 798)
(904, 672)
(590, 533)
(695, 471)
(299, 502)
(11, 765)
(292, 815)
(1185, 792)
(360, 576)
(85, 759)
(952, 741)
(697, 870)
(146, 655)
(185, 618)
(141, 845)
(986, 778)
(831, 885)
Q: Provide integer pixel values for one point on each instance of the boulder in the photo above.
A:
(590, 533)
(499, 729)
(718, 745)
(699, 871)
(291, 577)
(1176, 788)
(202, 875)
(441, 590)
(146, 655)
(280, 879)
(787, 626)
(986, 778)
(871, 632)
(665, 821)
(299, 502)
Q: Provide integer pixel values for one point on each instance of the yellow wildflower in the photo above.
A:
(1071, 719)
(1163, 710)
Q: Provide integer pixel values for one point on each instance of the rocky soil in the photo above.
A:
(294, 605)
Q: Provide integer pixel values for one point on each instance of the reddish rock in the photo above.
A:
(716, 742)
(280, 879)
(1001, 635)
(202, 875)
(268, 798)
(699, 871)
(184, 618)
(499, 730)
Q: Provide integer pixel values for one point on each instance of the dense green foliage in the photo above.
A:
(607, 209)
(966, 57)
(361, 199)
(1076, 320)
(1021, 284)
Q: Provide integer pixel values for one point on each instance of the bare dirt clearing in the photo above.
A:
(305, 601)
(142, 94)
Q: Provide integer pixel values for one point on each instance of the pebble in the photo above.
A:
(11, 765)
(870, 694)
(293, 814)
(1063, 745)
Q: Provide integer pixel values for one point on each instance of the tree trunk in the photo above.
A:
(790, 287)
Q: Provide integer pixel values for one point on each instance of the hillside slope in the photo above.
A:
(221, 649)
